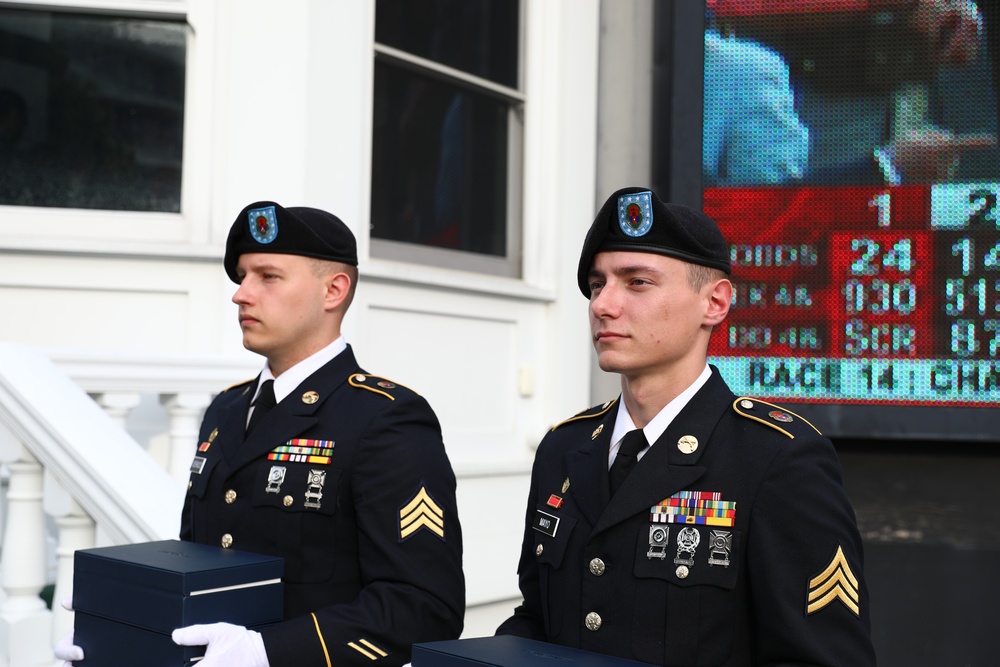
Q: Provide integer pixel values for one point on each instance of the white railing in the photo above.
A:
(70, 464)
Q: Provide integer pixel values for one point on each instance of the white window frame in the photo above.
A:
(511, 265)
(158, 234)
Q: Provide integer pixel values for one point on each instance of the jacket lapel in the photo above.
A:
(587, 469)
(665, 469)
(297, 412)
(232, 423)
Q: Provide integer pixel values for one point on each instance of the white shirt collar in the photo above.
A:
(294, 376)
(658, 424)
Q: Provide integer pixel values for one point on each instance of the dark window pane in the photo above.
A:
(476, 36)
(91, 111)
(439, 174)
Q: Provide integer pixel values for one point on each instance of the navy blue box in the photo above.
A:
(510, 651)
(129, 598)
(108, 643)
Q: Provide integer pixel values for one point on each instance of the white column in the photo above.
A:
(186, 411)
(25, 622)
(117, 404)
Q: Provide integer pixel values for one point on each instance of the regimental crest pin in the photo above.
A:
(635, 213)
(263, 224)
(779, 416)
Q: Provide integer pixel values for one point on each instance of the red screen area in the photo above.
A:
(862, 294)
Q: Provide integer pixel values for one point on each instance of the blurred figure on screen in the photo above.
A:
(752, 134)
(896, 135)
(892, 92)
(919, 150)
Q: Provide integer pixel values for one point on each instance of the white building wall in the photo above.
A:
(279, 106)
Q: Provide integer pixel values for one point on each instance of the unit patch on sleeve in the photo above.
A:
(836, 582)
(420, 512)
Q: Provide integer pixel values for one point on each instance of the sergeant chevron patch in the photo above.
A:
(836, 582)
(420, 512)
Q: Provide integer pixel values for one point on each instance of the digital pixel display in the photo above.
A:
(850, 159)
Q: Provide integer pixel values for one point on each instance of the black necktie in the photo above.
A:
(264, 402)
(633, 443)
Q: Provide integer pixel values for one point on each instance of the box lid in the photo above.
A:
(176, 566)
(510, 651)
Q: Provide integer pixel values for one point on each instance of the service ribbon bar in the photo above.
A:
(301, 450)
(695, 507)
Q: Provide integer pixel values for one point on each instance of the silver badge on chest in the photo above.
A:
(719, 547)
(658, 537)
(314, 488)
(275, 479)
(687, 543)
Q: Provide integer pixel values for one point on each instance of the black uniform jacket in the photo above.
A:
(770, 573)
(347, 479)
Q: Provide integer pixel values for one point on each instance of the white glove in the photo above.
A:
(227, 645)
(68, 651)
(65, 649)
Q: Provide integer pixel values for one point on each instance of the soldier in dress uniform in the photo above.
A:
(679, 524)
(345, 477)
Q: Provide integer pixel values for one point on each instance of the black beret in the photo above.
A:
(635, 220)
(265, 226)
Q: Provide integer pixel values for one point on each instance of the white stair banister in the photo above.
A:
(94, 460)
(74, 530)
(24, 618)
(118, 404)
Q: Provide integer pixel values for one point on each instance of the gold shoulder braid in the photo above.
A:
(378, 385)
(768, 414)
(589, 413)
(245, 383)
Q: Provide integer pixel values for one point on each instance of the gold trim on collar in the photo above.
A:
(741, 409)
(584, 415)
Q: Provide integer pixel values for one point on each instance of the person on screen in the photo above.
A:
(880, 124)
(752, 134)
(678, 524)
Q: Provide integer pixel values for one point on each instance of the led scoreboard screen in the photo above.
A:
(850, 158)
(862, 294)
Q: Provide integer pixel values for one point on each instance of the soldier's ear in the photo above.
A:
(720, 297)
(338, 289)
